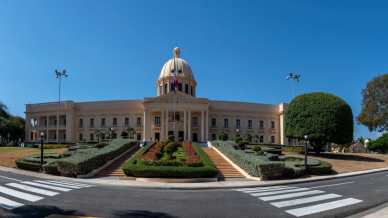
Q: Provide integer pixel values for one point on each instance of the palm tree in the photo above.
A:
(4, 110)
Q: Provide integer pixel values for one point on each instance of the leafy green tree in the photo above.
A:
(323, 117)
(15, 128)
(374, 112)
(4, 111)
(380, 144)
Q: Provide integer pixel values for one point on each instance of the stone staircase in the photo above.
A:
(227, 171)
(115, 168)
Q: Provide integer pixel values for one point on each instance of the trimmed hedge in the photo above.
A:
(86, 160)
(293, 149)
(32, 163)
(135, 167)
(271, 166)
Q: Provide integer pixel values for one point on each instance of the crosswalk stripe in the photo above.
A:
(258, 188)
(47, 186)
(292, 195)
(32, 189)
(279, 192)
(300, 201)
(298, 212)
(70, 183)
(265, 190)
(56, 184)
(9, 204)
(18, 194)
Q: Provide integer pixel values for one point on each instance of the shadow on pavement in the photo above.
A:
(39, 211)
(337, 156)
(142, 214)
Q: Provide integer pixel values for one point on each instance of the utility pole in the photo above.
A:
(59, 76)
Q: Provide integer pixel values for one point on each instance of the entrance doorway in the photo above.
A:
(181, 135)
(157, 136)
(195, 137)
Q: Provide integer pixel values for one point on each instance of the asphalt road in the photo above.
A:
(24, 196)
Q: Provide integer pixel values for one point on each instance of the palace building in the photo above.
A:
(175, 111)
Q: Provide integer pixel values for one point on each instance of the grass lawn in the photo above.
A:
(8, 155)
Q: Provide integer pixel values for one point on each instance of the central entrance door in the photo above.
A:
(157, 136)
(181, 135)
(195, 137)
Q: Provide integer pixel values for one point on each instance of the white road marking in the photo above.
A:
(338, 184)
(18, 194)
(32, 189)
(259, 188)
(279, 192)
(9, 204)
(17, 180)
(300, 201)
(70, 183)
(292, 195)
(298, 212)
(47, 186)
(265, 190)
(57, 184)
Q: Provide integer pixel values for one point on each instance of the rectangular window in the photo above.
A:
(62, 120)
(249, 124)
(273, 124)
(138, 122)
(165, 89)
(187, 88)
(261, 139)
(261, 124)
(157, 121)
(138, 136)
(114, 123)
(180, 87)
(238, 124)
(191, 91)
(126, 122)
(195, 121)
(272, 139)
(214, 122)
(226, 123)
(214, 137)
(81, 123)
(103, 122)
(81, 137)
(91, 123)
(91, 137)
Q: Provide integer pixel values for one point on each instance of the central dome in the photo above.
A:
(176, 76)
(176, 66)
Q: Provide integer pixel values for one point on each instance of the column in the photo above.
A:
(202, 126)
(184, 125)
(189, 126)
(146, 126)
(207, 126)
(166, 123)
(162, 125)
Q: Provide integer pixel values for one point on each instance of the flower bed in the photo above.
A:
(170, 159)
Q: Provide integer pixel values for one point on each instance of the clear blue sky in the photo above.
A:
(239, 50)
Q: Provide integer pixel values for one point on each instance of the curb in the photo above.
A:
(190, 186)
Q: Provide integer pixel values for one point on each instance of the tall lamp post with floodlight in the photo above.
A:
(296, 78)
(41, 149)
(59, 75)
(306, 138)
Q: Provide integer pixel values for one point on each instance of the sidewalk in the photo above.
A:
(377, 212)
(205, 185)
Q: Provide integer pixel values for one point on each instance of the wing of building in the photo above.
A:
(175, 111)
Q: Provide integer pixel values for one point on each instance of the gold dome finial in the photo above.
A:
(177, 52)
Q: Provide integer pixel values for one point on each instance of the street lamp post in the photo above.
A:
(59, 75)
(41, 149)
(306, 137)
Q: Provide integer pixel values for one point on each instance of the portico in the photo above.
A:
(178, 115)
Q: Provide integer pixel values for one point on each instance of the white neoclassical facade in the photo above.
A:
(175, 111)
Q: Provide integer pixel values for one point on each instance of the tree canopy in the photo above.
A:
(11, 127)
(324, 117)
(374, 112)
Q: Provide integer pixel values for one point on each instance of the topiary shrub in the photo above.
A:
(324, 117)
(257, 149)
